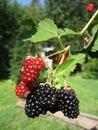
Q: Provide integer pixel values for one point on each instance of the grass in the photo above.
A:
(87, 93)
(13, 118)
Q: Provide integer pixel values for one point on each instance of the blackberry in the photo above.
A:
(68, 102)
(38, 63)
(90, 7)
(22, 89)
(43, 99)
(30, 69)
(30, 76)
(33, 106)
(48, 96)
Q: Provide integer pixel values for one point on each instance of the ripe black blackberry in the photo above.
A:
(68, 102)
(48, 96)
(33, 106)
(43, 99)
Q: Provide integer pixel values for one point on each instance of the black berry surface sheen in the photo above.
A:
(46, 98)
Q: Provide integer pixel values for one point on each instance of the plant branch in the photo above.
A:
(33, 46)
(65, 49)
(89, 22)
(61, 44)
(58, 52)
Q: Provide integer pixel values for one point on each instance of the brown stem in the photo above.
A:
(58, 52)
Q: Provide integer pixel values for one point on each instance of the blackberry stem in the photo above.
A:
(37, 53)
(89, 22)
(58, 52)
(61, 44)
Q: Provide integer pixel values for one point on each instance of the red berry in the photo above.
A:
(21, 89)
(30, 76)
(90, 7)
(38, 63)
(28, 61)
(65, 58)
(30, 69)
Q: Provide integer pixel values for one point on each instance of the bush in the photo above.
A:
(91, 69)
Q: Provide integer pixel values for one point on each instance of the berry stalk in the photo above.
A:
(58, 52)
(61, 44)
(89, 22)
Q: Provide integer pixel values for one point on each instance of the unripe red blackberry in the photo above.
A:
(30, 69)
(90, 7)
(30, 76)
(28, 62)
(22, 89)
(38, 63)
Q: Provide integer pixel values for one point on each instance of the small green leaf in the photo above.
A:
(91, 43)
(95, 47)
(67, 67)
(94, 29)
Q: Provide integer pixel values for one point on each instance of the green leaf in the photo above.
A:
(68, 66)
(67, 31)
(95, 21)
(46, 30)
(94, 29)
(91, 44)
(95, 47)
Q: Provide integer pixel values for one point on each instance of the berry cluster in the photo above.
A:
(41, 98)
(30, 70)
(46, 98)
